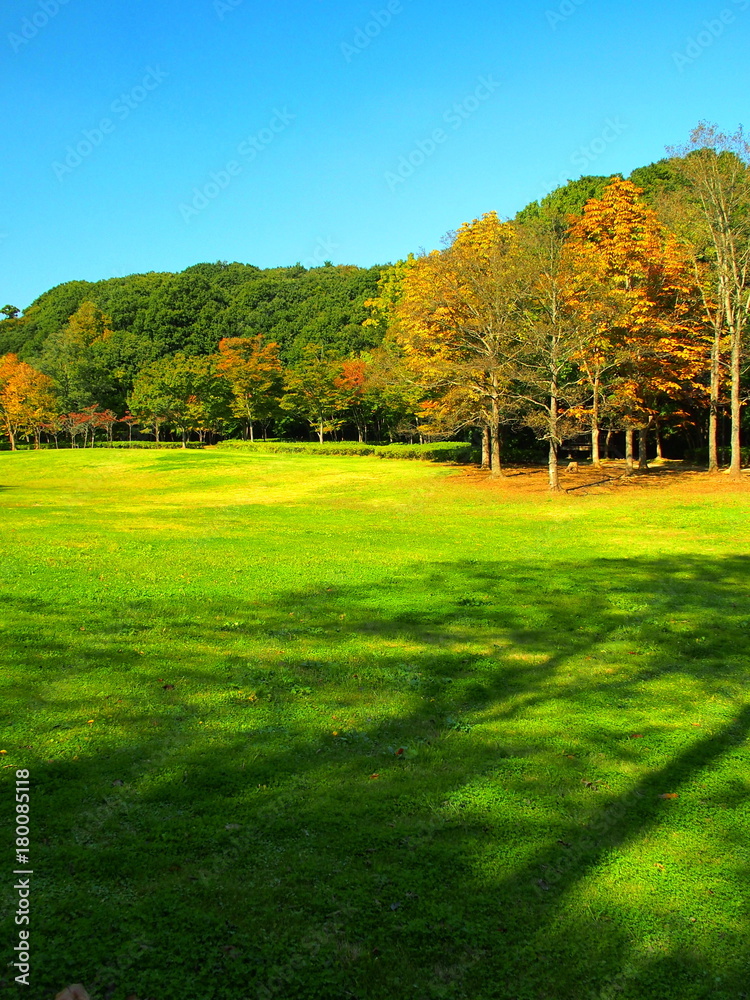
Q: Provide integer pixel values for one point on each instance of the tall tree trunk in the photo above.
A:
(554, 481)
(643, 449)
(659, 449)
(12, 439)
(320, 431)
(607, 444)
(629, 450)
(595, 455)
(252, 433)
(156, 431)
(735, 467)
(184, 438)
(495, 466)
(713, 413)
(486, 446)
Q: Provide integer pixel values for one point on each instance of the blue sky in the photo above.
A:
(148, 136)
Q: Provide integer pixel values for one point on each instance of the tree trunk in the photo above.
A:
(629, 450)
(735, 467)
(252, 433)
(320, 431)
(595, 456)
(554, 481)
(713, 414)
(156, 431)
(495, 466)
(643, 449)
(12, 439)
(486, 446)
(607, 444)
(659, 450)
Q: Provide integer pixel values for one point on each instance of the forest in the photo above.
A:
(610, 317)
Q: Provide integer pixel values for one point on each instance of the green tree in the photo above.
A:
(312, 392)
(183, 392)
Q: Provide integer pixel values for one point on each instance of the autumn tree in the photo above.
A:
(634, 290)
(253, 371)
(716, 168)
(27, 399)
(545, 374)
(459, 314)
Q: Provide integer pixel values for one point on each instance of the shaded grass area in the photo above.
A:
(355, 729)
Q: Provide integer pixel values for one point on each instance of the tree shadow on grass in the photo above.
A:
(234, 848)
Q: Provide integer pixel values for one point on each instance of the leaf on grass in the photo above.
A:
(168, 687)
(400, 751)
(660, 867)
(588, 784)
(669, 795)
(637, 736)
(374, 776)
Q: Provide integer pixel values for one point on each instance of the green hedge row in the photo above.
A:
(442, 451)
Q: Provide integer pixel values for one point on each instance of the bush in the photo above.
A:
(441, 451)
(147, 444)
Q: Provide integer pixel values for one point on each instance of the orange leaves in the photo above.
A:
(26, 397)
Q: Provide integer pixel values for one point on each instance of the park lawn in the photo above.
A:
(304, 727)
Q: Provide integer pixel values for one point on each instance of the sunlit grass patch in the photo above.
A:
(342, 727)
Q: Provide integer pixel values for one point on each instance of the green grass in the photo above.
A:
(343, 728)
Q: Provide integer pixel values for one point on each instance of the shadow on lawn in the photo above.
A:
(266, 862)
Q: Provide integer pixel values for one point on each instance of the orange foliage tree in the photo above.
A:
(457, 321)
(635, 291)
(27, 400)
(253, 370)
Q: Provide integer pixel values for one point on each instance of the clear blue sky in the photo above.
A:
(116, 113)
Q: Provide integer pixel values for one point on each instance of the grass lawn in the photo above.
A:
(304, 727)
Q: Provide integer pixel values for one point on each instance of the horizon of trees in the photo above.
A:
(611, 306)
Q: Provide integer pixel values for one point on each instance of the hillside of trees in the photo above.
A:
(613, 307)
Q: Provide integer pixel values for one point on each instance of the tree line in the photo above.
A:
(611, 306)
